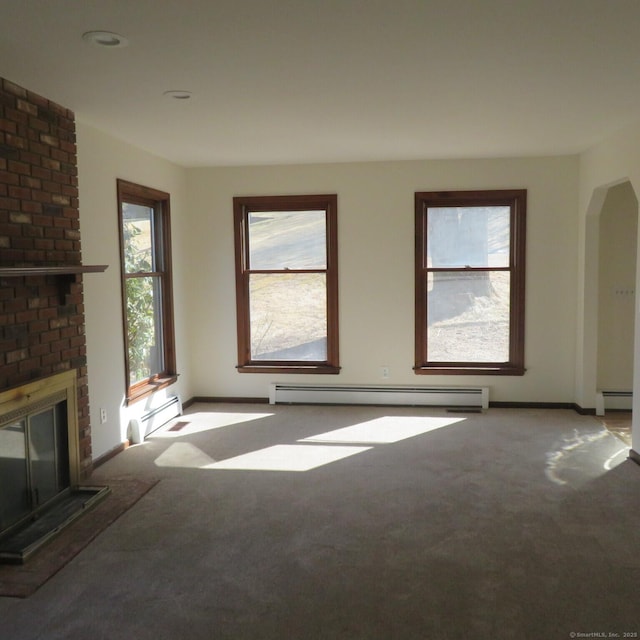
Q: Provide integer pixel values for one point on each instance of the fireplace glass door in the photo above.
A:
(34, 462)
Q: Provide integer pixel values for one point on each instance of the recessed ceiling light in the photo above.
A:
(177, 94)
(105, 39)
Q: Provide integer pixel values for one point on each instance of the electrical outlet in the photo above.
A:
(103, 416)
(384, 372)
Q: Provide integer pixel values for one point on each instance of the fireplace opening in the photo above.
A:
(39, 465)
(34, 462)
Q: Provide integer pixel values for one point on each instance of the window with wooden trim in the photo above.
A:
(287, 283)
(147, 296)
(470, 281)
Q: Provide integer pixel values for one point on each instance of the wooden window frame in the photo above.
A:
(159, 201)
(242, 206)
(516, 199)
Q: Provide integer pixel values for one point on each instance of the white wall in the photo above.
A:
(613, 161)
(376, 269)
(102, 159)
(618, 233)
(566, 196)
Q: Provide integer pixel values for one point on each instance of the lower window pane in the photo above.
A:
(468, 317)
(144, 328)
(288, 315)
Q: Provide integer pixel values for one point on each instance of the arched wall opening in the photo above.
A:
(611, 326)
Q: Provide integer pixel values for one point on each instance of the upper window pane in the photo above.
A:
(287, 240)
(460, 237)
(137, 231)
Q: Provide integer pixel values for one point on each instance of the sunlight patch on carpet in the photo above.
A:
(287, 457)
(387, 429)
(581, 456)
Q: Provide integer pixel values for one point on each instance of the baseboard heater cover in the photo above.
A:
(284, 393)
(620, 400)
(154, 418)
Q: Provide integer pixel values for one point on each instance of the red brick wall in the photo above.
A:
(41, 317)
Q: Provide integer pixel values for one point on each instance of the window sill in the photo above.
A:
(145, 389)
(293, 368)
(461, 370)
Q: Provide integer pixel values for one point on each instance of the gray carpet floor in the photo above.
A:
(358, 523)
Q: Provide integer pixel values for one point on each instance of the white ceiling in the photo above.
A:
(296, 81)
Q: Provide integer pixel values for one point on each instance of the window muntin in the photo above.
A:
(146, 288)
(286, 281)
(470, 282)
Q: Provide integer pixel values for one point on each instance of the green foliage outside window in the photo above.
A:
(141, 317)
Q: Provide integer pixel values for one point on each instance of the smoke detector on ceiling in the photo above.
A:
(106, 39)
(177, 94)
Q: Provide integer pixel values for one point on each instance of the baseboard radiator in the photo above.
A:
(154, 418)
(282, 393)
(620, 400)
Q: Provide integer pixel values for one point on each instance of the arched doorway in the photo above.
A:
(617, 250)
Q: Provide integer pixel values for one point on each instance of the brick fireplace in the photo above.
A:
(42, 330)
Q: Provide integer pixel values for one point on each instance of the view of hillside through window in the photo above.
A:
(468, 284)
(288, 285)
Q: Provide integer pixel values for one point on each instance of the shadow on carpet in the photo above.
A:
(20, 581)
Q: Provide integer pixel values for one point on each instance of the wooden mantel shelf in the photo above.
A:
(64, 274)
(66, 270)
